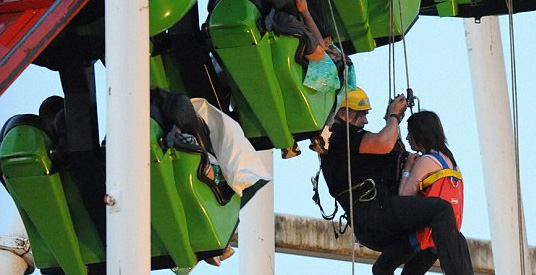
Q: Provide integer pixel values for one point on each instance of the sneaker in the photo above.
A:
(229, 251)
(318, 145)
(290, 152)
(215, 261)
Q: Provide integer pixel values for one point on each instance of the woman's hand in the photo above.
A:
(410, 161)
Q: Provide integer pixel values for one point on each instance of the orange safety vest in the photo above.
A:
(446, 184)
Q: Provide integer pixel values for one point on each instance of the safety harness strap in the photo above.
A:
(443, 173)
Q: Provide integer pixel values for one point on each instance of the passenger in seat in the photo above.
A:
(325, 66)
(186, 126)
(286, 21)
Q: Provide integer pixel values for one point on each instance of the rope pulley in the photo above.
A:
(410, 99)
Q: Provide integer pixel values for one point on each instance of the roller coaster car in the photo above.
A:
(274, 108)
(189, 222)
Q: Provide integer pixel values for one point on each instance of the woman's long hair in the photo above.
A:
(426, 130)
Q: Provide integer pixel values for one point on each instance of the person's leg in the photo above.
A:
(420, 263)
(392, 257)
(416, 212)
(467, 263)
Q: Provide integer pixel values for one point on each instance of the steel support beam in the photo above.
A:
(311, 237)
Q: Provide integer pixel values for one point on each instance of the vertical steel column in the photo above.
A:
(495, 131)
(127, 139)
(256, 231)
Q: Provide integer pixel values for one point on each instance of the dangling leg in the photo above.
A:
(392, 257)
(420, 263)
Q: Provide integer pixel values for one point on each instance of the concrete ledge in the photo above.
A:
(312, 237)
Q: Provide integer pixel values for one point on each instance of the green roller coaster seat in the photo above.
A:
(402, 21)
(60, 230)
(168, 219)
(366, 23)
(306, 109)
(266, 81)
(247, 59)
(210, 225)
(65, 239)
(452, 7)
(352, 19)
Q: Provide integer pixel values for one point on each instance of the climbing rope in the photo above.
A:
(509, 4)
(403, 31)
(392, 87)
(352, 246)
(212, 86)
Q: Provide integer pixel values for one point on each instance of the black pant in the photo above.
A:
(415, 263)
(384, 222)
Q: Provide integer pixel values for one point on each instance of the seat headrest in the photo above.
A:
(48, 111)
(157, 99)
(178, 109)
(18, 120)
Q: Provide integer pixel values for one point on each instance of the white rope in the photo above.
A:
(392, 88)
(404, 41)
(212, 86)
(352, 244)
(509, 4)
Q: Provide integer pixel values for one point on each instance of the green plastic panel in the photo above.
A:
(252, 71)
(233, 23)
(266, 81)
(61, 231)
(165, 73)
(306, 109)
(165, 13)
(157, 73)
(168, 219)
(249, 64)
(451, 7)
(379, 16)
(23, 157)
(352, 21)
(210, 225)
(362, 21)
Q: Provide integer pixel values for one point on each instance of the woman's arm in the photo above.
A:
(422, 166)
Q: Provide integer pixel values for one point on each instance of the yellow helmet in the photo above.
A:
(357, 100)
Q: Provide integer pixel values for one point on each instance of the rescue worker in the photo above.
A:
(381, 217)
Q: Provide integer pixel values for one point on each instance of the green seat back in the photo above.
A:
(379, 17)
(363, 22)
(186, 218)
(306, 109)
(168, 219)
(59, 227)
(210, 225)
(352, 19)
(451, 7)
(266, 81)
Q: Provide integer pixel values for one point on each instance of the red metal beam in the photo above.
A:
(22, 5)
(38, 22)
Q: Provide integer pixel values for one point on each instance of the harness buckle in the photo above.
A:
(369, 191)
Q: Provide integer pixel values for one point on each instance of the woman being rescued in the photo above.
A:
(434, 174)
